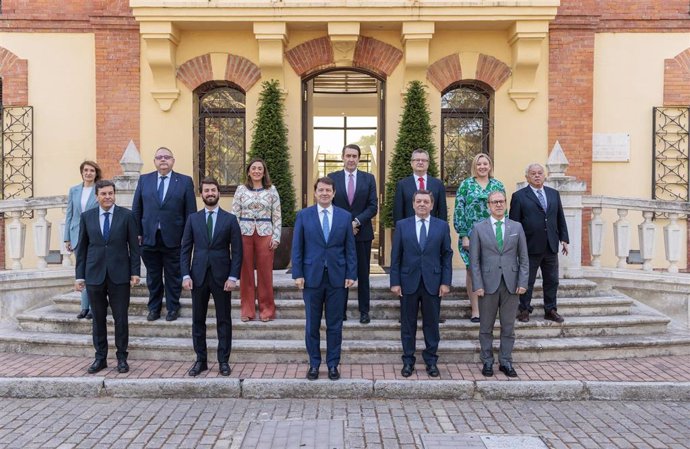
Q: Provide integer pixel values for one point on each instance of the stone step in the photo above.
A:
(379, 309)
(362, 351)
(284, 288)
(48, 320)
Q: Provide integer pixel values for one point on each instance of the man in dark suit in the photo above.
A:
(538, 208)
(355, 191)
(211, 258)
(108, 264)
(324, 264)
(420, 180)
(162, 202)
(421, 272)
(500, 267)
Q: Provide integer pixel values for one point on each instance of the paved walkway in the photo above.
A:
(651, 369)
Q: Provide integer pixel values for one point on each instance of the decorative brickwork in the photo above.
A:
(677, 80)
(242, 72)
(377, 56)
(492, 71)
(444, 72)
(196, 71)
(310, 56)
(14, 73)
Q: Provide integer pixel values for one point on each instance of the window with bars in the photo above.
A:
(221, 134)
(466, 129)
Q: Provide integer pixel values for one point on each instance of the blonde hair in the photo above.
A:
(473, 168)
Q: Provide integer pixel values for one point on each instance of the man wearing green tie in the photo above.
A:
(499, 265)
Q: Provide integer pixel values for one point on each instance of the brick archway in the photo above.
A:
(677, 80)
(238, 70)
(369, 54)
(448, 70)
(14, 73)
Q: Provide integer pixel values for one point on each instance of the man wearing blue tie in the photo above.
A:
(324, 264)
(421, 273)
(108, 265)
(162, 202)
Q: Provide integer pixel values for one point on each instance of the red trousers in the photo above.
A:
(256, 250)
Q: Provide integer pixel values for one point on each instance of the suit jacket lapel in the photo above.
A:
(91, 202)
(172, 183)
(220, 221)
(315, 214)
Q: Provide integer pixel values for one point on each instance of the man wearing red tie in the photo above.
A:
(420, 180)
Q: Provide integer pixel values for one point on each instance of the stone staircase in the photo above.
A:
(598, 325)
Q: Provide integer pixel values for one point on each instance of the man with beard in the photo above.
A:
(215, 238)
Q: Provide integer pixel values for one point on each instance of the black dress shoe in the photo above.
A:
(407, 370)
(432, 370)
(82, 314)
(224, 368)
(523, 316)
(553, 316)
(96, 366)
(488, 369)
(345, 317)
(364, 318)
(172, 315)
(333, 373)
(197, 368)
(475, 319)
(89, 315)
(153, 315)
(122, 366)
(508, 370)
(313, 373)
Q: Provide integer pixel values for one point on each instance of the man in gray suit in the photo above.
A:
(499, 265)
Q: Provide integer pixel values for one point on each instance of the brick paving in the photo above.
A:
(371, 424)
(649, 369)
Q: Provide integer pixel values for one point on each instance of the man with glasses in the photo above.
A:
(162, 202)
(499, 266)
(538, 208)
(420, 180)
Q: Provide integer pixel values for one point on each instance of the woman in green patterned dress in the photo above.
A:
(471, 207)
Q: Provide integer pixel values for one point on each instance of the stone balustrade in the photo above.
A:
(647, 229)
(13, 211)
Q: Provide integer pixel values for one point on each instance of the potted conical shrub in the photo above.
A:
(269, 142)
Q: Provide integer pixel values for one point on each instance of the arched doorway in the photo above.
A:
(341, 106)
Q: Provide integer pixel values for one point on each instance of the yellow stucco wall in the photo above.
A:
(628, 83)
(62, 92)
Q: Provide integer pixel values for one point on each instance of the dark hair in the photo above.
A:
(420, 151)
(423, 192)
(352, 146)
(265, 180)
(209, 180)
(102, 183)
(99, 174)
(325, 180)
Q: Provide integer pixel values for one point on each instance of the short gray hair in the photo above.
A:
(533, 164)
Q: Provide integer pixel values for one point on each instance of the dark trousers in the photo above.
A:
(315, 300)
(363, 264)
(431, 311)
(548, 263)
(117, 296)
(221, 299)
(160, 259)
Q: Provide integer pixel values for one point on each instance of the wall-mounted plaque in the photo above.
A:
(610, 147)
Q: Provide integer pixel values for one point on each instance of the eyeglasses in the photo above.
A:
(420, 160)
(497, 202)
(163, 157)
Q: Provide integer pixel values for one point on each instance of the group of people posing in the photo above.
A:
(211, 250)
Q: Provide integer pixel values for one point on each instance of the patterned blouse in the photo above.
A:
(258, 209)
(471, 207)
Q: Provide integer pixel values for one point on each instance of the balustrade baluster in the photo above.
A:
(621, 237)
(596, 236)
(16, 239)
(672, 243)
(647, 231)
(41, 228)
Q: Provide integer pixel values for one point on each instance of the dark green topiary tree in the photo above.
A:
(415, 132)
(269, 142)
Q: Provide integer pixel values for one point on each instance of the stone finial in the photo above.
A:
(131, 162)
(557, 163)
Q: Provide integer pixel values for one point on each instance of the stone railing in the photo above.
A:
(647, 229)
(41, 228)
